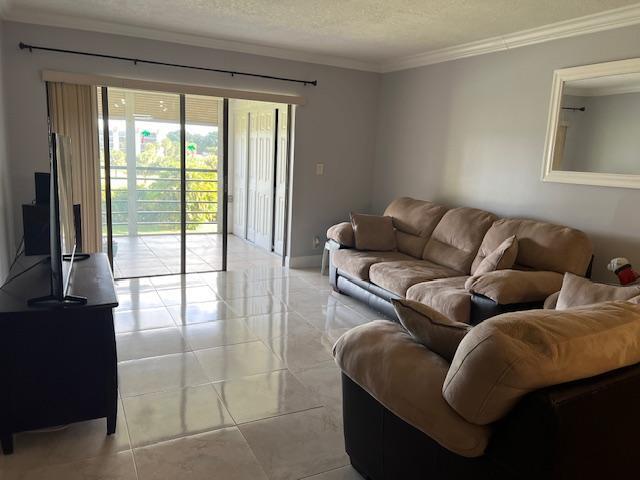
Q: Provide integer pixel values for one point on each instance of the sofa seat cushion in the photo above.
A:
(447, 296)
(407, 378)
(505, 357)
(456, 239)
(357, 263)
(398, 276)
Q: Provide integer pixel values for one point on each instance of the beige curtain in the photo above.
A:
(73, 110)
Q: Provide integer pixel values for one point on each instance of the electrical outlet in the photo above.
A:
(230, 198)
(316, 242)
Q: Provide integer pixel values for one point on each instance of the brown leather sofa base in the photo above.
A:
(576, 431)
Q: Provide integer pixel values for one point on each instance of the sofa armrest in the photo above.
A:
(581, 429)
(515, 286)
(342, 234)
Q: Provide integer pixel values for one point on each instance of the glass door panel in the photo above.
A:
(144, 150)
(203, 180)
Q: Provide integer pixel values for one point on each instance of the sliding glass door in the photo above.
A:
(161, 182)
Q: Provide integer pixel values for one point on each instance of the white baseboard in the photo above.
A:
(304, 262)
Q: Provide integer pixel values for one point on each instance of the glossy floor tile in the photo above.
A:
(265, 395)
(150, 343)
(112, 467)
(217, 334)
(223, 375)
(256, 305)
(297, 445)
(156, 417)
(301, 351)
(240, 360)
(187, 295)
(222, 454)
(279, 324)
(324, 382)
(142, 319)
(156, 374)
(201, 312)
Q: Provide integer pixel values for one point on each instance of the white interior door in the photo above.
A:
(240, 175)
(252, 181)
(264, 126)
(281, 183)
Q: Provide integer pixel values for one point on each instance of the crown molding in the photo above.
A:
(608, 20)
(77, 23)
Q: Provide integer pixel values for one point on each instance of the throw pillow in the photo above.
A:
(429, 327)
(373, 232)
(577, 291)
(502, 258)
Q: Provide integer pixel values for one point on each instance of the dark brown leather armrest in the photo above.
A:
(582, 430)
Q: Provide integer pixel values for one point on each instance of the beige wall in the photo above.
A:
(472, 132)
(336, 126)
(7, 239)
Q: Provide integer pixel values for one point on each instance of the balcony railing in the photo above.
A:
(151, 204)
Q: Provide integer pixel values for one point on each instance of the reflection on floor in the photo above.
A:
(147, 255)
(221, 375)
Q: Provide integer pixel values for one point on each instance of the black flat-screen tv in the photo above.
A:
(62, 227)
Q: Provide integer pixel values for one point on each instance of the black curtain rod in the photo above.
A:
(135, 61)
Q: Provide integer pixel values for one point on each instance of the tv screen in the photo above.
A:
(63, 238)
(62, 224)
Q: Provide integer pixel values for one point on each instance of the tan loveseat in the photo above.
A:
(438, 252)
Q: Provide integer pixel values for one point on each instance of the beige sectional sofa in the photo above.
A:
(438, 252)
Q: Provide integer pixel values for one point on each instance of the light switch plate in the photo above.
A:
(319, 168)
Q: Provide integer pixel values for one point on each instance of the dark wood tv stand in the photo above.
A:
(58, 365)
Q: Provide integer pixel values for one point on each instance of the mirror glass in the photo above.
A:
(598, 129)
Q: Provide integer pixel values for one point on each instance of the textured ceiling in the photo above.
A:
(374, 31)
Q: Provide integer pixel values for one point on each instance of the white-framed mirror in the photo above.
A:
(593, 132)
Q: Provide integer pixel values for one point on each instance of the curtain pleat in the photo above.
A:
(73, 110)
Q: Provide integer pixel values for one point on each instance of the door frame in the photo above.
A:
(278, 108)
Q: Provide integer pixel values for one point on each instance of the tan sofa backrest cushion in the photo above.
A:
(578, 291)
(541, 245)
(414, 221)
(503, 358)
(455, 240)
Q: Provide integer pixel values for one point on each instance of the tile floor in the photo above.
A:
(222, 376)
(146, 255)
